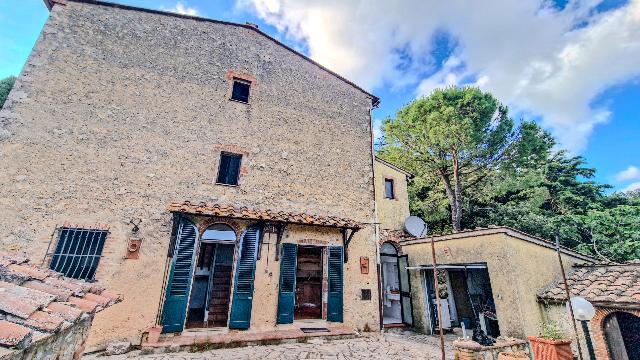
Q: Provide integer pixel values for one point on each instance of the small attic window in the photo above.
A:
(240, 90)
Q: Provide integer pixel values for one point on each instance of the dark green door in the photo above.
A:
(287, 293)
(334, 301)
(177, 293)
(243, 285)
(405, 290)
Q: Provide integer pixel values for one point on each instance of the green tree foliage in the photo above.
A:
(456, 135)
(518, 181)
(5, 87)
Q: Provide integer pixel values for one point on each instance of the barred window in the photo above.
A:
(78, 252)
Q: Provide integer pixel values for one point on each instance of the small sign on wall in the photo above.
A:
(364, 265)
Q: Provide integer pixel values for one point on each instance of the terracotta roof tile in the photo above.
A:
(611, 283)
(68, 312)
(62, 294)
(101, 300)
(242, 212)
(43, 321)
(29, 271)
(14, 335)
(395, 236)
(31, 301)
(71, 286)
(84, 304)
(21, 301)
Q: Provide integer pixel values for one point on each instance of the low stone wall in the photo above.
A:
(471, 350)
(67, 344)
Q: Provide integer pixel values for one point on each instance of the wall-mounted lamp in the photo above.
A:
(136, 225)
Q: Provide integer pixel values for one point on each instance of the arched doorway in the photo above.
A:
(211, 288)
(622, 332)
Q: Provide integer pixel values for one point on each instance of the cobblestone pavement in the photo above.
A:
(406, 345)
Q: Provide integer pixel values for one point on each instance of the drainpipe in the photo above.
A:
(376, 223)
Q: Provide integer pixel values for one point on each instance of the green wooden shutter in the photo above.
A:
(287, 293)
(334, 301)
(177, 293)
(243, 285)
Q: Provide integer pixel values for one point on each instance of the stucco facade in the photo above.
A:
(120, 111)
(519, 265)
(391, 212)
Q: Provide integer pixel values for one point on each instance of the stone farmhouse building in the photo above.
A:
(221, 181)
(208, 173)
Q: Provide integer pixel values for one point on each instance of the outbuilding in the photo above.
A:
(487, 277)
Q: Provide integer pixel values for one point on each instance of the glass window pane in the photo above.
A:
(219, 232)
(388, 188)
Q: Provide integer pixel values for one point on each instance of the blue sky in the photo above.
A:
(571, 65)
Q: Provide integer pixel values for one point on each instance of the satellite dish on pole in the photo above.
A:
(415, 226)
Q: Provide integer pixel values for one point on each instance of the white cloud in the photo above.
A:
(540, 60)
(632, 187)
(629, 174)
(181, 8)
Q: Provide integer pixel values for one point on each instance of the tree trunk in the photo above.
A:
(451, 195)
(456, 216)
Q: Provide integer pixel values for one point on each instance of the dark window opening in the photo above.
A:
(78, 252)
(366, 294)
(240, 90)
(229, 170)
(388, 189)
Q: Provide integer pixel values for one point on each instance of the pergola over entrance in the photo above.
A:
(278, 220)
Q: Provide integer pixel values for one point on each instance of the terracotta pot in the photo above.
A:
(512, 356)
(546, 349)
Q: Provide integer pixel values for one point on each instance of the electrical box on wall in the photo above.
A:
(133, 248)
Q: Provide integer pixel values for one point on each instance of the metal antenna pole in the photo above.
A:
(437, 289)
(566, 289)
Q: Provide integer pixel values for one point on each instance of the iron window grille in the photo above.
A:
(78, 251)
(240, 91)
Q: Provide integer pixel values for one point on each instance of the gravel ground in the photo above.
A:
(401, 345)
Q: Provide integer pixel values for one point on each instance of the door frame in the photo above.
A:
(325, 273)
(408, 293)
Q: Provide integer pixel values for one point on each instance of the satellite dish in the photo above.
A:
(415, 226)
